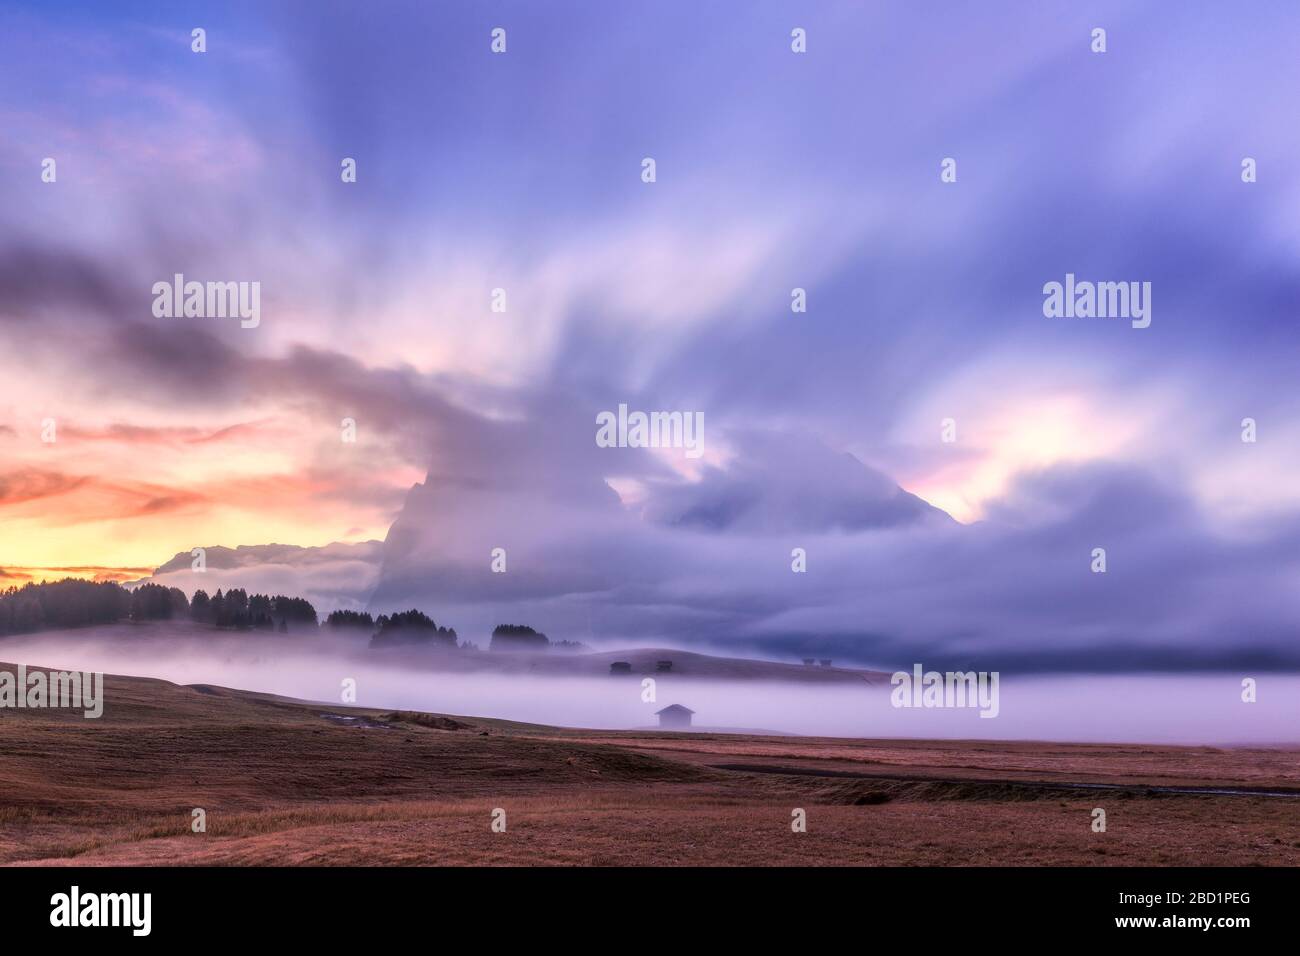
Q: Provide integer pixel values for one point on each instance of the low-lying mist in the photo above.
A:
(1186, 709)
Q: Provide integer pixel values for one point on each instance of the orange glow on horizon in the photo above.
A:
(113, 500)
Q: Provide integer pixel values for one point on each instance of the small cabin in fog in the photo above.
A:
(663, 665)
(825, 662)
(808, 662)
(675, 716)
(620, 667)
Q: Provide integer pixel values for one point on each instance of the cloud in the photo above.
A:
(787, 483)
(16, 576)
(923, 303)
(336, 576)
(1015, 590)
(25, 485)
(128, 434)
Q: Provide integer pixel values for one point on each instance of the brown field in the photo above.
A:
(282, 783)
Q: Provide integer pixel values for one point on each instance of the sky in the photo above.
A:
(774, 170)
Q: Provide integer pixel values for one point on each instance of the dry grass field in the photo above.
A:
(294, 783)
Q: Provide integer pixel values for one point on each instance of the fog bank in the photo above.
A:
(1179, 709)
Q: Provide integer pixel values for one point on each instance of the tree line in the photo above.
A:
(73, 602)
(67, 603)
(76, 603)
(237, 608)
